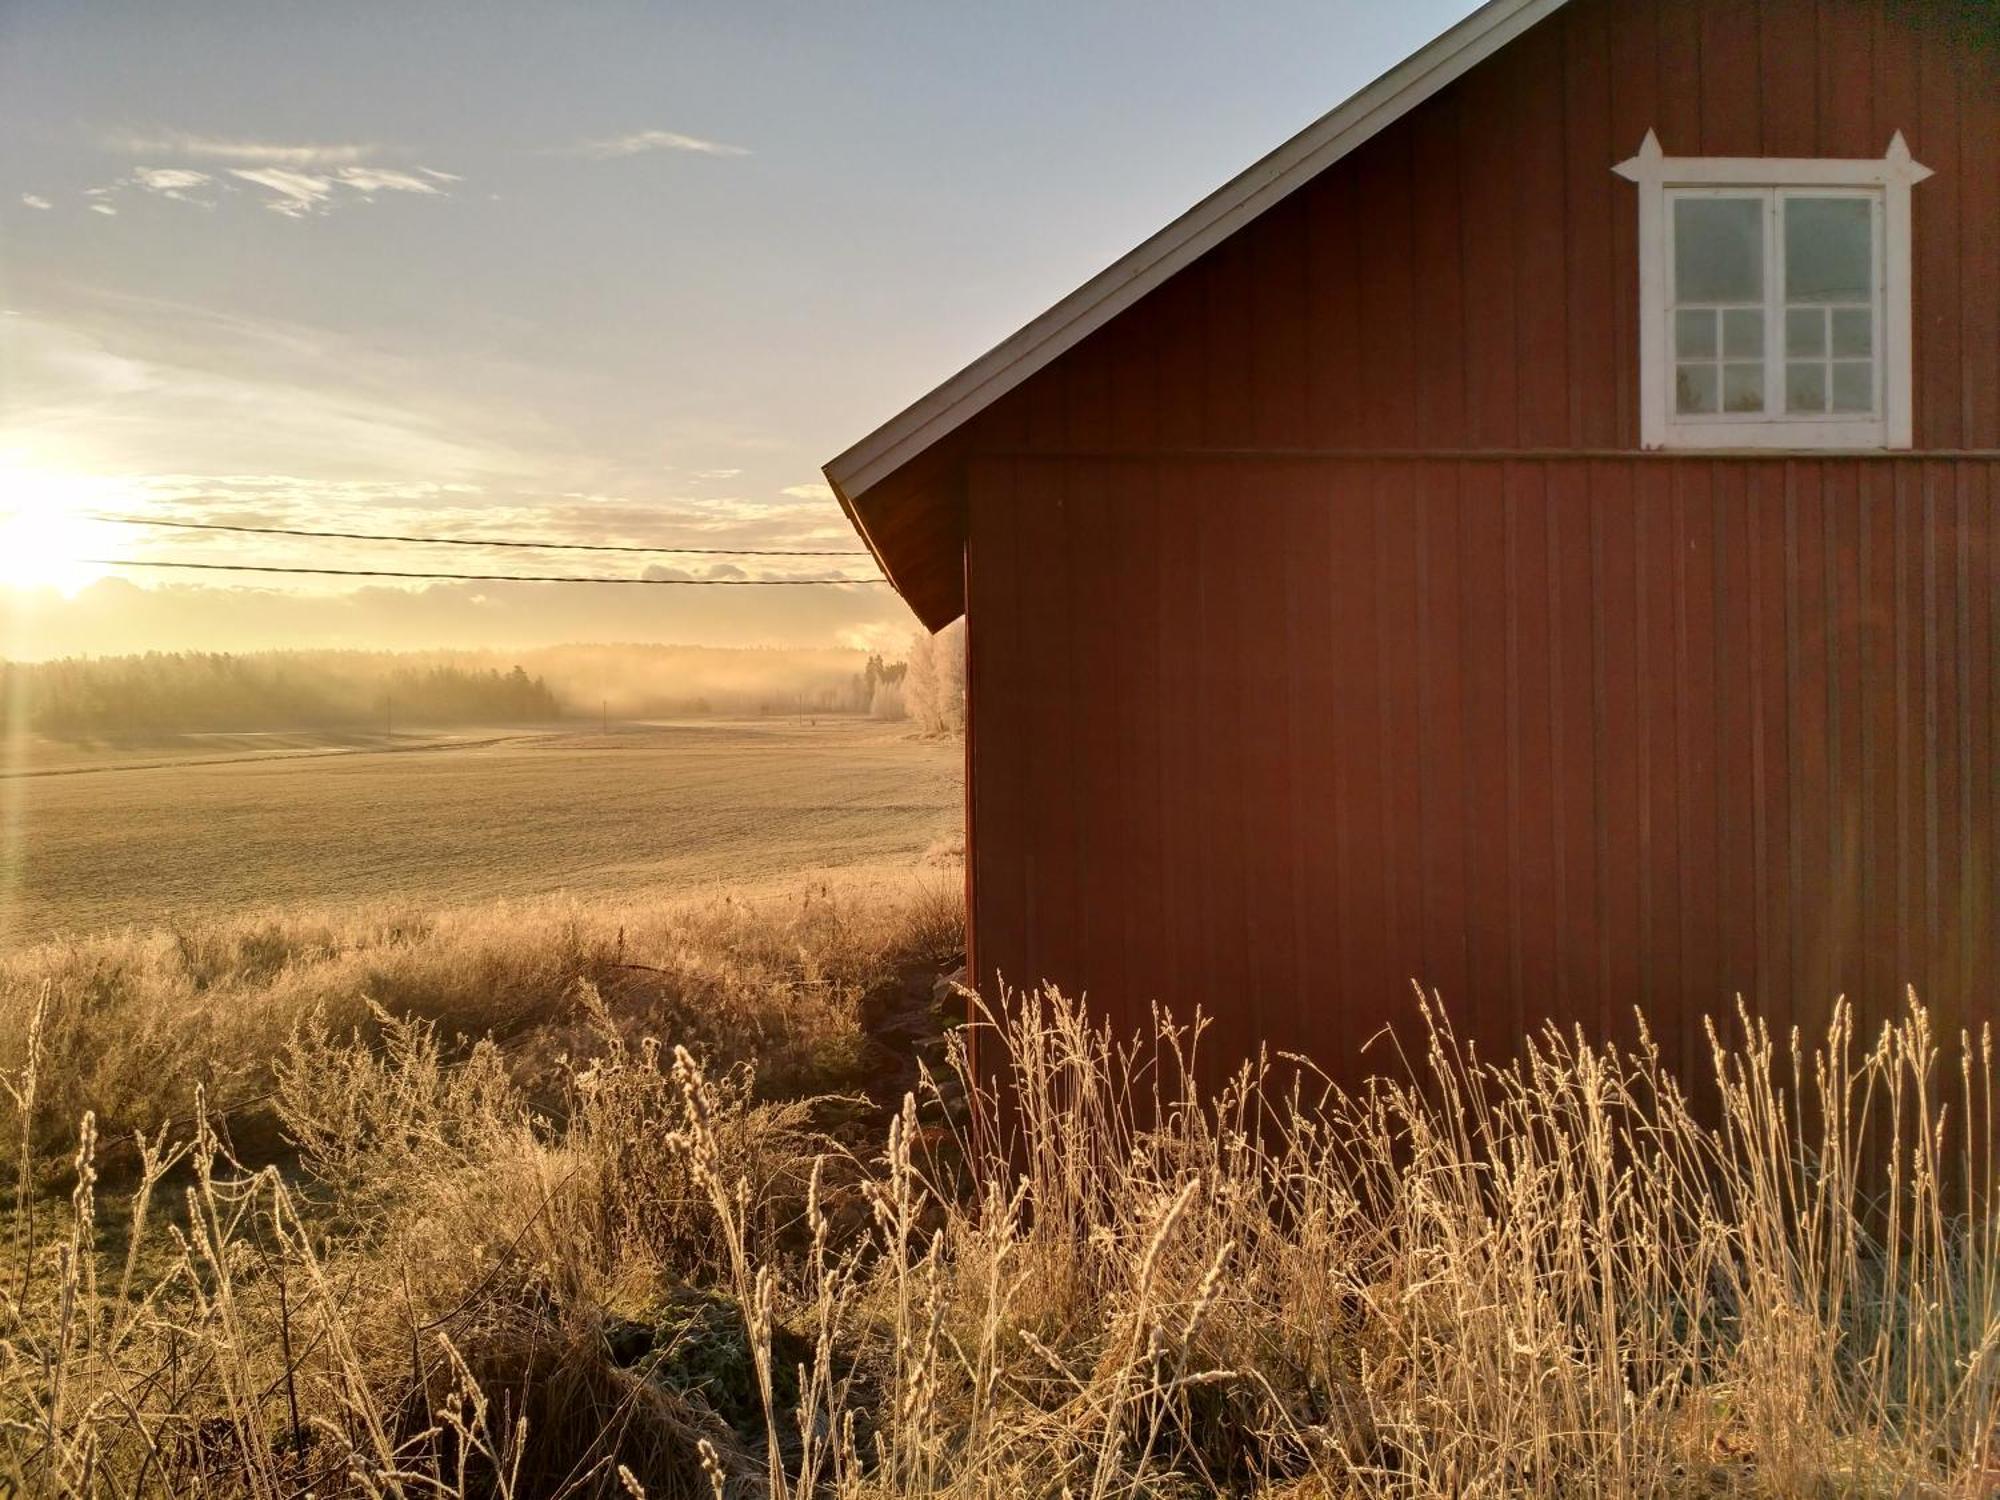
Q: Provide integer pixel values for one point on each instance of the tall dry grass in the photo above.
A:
(136, 1020)
(653, 1277)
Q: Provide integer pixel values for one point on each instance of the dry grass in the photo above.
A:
(137, 1020)
(637, 1270)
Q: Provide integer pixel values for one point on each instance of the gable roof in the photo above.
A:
(1334, 135)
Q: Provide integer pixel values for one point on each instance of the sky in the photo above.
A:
(595, 271)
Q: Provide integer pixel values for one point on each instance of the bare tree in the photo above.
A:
(934, 690)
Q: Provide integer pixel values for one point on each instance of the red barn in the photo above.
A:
(1532, 534)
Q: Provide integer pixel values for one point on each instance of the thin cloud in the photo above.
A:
(105, 209)
(383, 180)
(257, 153)
(297, 193)
(35, 200)
(642, 141)
(168, 179)
(178, 183)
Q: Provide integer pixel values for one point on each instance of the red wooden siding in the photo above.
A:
(1328, 633)
(1468, 279)
(1556, 736)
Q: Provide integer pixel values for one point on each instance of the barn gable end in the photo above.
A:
(1330, 628)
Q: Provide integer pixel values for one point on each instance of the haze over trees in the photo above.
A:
(220, 692)
(183, 691)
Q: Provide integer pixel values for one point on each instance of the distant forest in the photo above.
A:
(183, 692)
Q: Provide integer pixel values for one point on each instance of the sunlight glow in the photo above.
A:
(46, 530)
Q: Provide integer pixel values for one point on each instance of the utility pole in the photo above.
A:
(388, 716)
(604, 718)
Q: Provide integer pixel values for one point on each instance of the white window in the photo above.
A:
(1774, 300)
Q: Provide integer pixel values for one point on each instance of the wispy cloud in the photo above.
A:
(383, 180)
(299, 195)
(35, 200)
(259, 153)
(296, 194)
(182, 184)
(639, 142)
(104, 208)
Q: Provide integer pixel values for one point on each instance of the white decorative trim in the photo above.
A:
(1892, 175)
(1207, 224)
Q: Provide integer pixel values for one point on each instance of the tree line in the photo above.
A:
(166, 692)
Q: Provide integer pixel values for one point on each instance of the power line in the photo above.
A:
(213, 567)
(467, 541)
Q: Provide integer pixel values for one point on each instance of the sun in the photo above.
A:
(47, 531)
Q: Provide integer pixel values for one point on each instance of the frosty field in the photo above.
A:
(107, 838)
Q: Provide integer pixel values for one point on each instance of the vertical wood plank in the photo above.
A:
(1881, 833)
(1269, 740)
(999, 788)
(1576, 707)
(1486, 1010)
(1661, 648)
(1788, 58)
(1738, 856)
(1360, 783)
(1635, 109)
(1695, 548)
(1845, 29)
(1533, 130)
(1730, 56)
(1438, 318)
(1680, 77)
(1089, 692)
(1399, 541)
(1489, 222)
(1442, 731)
(1144, 808)
(1314, 1006)
(1937, 248)
(1811, 680)
(1278, 416)
(1594, 374)
(1388, 300)
(1531, 738)
(1619, 756)
(1979, 246)
(1332, 313)
(1051, 947)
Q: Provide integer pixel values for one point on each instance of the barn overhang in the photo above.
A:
(902, 486)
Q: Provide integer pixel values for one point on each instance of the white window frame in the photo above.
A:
(1888, 180)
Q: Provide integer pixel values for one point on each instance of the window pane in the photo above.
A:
(1743, 387)
(1743, 333)
(1718, 250)
(1854, 386)
(1805, 330)
(1694, 333)
(1694, 388)
(1805, 387)
(1829, 250)
(1853, 331)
